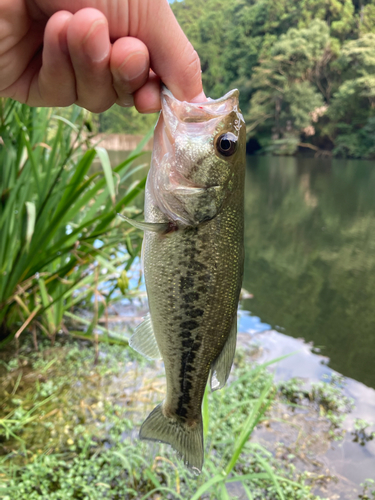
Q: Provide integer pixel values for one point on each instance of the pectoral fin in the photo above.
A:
(143, 340)
(155, 227)
(220, 368)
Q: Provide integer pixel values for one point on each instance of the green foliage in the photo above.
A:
(353, 104)
(119, 120)
(368, 490)
(326, 397)
(58, 221)
(368, 18)
(361, 433)
(81, 444)
(304, 68)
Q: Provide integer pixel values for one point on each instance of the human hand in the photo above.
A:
(95, 53)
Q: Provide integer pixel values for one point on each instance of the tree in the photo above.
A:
(287, 86)
(352, 111)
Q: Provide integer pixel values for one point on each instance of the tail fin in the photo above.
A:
(188, 442)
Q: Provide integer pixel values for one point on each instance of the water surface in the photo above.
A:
(310, 255)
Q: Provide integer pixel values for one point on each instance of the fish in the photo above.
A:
(193, 257)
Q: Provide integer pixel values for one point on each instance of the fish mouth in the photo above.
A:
(199, 112)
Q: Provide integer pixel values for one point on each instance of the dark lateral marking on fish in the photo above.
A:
(204, 238)
(204, 277)
(197, 266)
(194, 313)
(187, 363)
(187, 343)
(187, 282)
(189, 325)
(192, 251)
(191, 297)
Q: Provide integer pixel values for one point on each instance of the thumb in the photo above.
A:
(172, 56)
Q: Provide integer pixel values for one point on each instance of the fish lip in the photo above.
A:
(208, 102)
(175, 111)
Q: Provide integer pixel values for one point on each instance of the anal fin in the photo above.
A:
(143, 340)
(222, 365)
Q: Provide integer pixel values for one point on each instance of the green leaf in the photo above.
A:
(107, 169)
(30, 226)
(46, 305)
(206, 486)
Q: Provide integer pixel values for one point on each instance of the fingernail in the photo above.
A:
(134, 65)
(126, 101)
(96, 43)
(199, 98)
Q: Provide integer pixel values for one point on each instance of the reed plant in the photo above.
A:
(58, 225)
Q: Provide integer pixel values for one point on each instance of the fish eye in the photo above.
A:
(226, 144)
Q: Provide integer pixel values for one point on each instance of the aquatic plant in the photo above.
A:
(58, 219)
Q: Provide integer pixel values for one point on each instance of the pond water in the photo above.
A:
(310, 255)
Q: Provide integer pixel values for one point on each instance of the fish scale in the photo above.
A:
(193, 261)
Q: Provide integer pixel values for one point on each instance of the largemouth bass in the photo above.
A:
(193, 261)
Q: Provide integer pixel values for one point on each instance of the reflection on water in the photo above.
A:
(310, 255)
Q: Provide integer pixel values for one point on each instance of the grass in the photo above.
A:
(60, 237)
(72, 429)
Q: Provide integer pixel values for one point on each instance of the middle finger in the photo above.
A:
(90, 48)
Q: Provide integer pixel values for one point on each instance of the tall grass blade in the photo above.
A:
(106, 164)
(252, 420)
(206, 486)
(46, 306)
(272, 476)
(30, 225)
